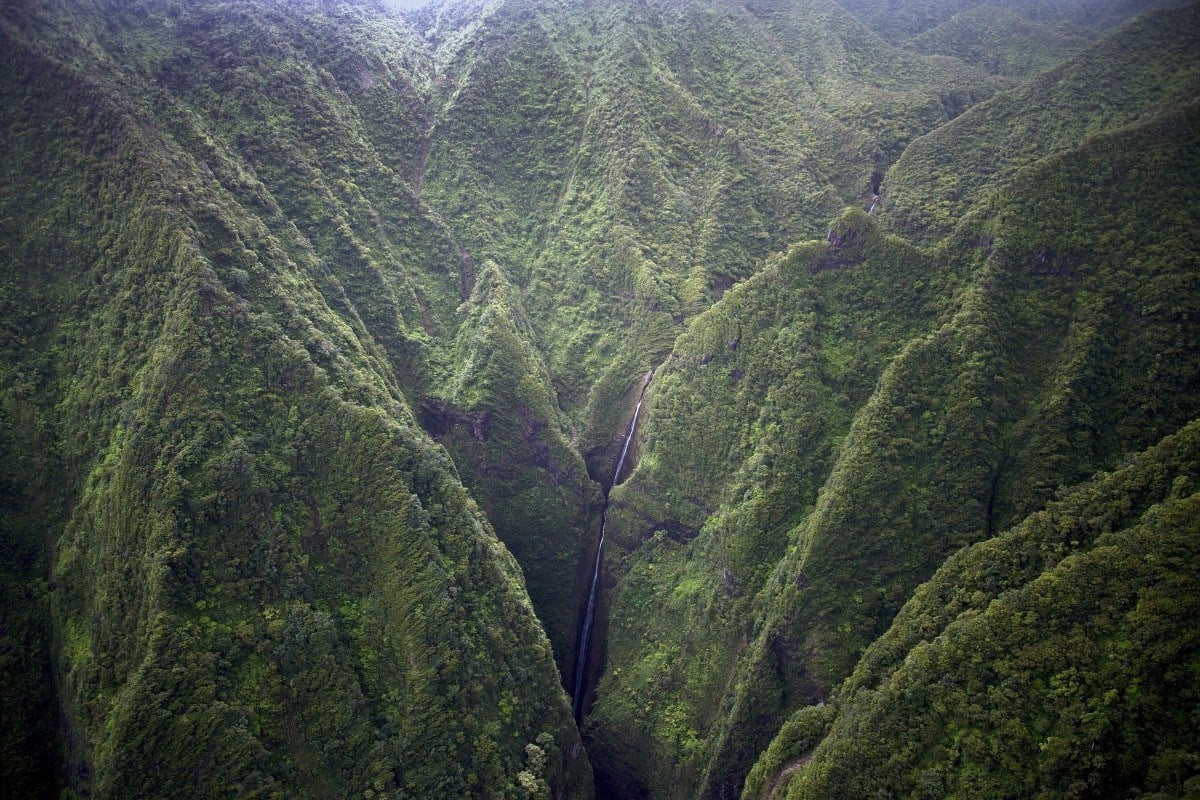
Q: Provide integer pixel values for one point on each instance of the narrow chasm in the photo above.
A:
(586, 671)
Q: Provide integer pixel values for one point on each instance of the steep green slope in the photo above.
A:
(325, 114)
(624, 164)
(1039, 378)
(265, 579)
(794, 350)
(1048, 418)
(1057, 659)
(321, 110)
(500, 417)
(315, 135)
(1099, 396)
(619, 184)
(305, 307)
(1002, 41)
(29, 736)
(897, 22)
(1146, 68)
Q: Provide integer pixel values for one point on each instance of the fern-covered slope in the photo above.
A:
(624, 164)
(1056, 658)
(901, 22)
(1002, 41)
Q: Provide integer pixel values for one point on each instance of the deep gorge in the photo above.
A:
(581, 685)
(537, 399)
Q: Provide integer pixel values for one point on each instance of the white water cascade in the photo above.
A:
(585, 635)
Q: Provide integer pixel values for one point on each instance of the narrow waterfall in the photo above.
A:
(585, 634)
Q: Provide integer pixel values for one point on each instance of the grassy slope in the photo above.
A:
(597, 177)
(316, 126)
(329, 111)
(706, 514)
(618, 183)
(898, 22)
(678, 176)
(666, 147)
(267, 573)
(502, 424)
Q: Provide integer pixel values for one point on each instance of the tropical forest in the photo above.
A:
(600, 399)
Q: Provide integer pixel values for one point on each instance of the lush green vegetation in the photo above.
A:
(902, 22)
(1018, 374)
(322, 328)
(502, 425)
(1002, 41)
(1062, 275)
(796, 348)
(1057, 659)
(264, 579)
(1145, 69)
(624, 164)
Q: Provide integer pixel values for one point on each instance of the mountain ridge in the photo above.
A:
(323, 327)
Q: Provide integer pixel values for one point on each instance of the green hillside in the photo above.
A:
(1002, 41)
(1058, 415)
(624, 164)
(1054, 659)
(262, 578)
(1145, 69)
(1018, 373)
(322, 328)
(898, 22)
(796, 349)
